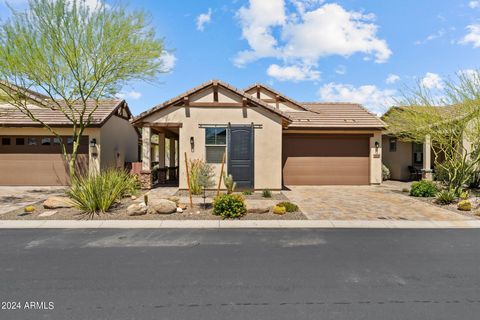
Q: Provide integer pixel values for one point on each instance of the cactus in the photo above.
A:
(464, 205)
(229, 183)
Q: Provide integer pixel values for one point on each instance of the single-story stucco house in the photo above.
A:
(269, 139)
(30, 155)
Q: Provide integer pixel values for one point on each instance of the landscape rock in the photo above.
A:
(47, 213)
(179, 210)
(258, 210)
(57, 202)
(137, 209)
(161, 206)
(133, 197)
(182, 206)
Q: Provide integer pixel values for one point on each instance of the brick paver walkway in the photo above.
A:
(364, 203)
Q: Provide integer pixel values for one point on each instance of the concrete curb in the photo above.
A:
(232, 224)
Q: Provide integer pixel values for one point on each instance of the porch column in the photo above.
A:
(427, 159)
(146, 173)
(172, 153)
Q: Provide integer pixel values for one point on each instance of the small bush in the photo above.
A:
(247, 192)
(201, 176)
(29, 209)
(385, 173)
(406, 190)
(266, 193)
(229, 206)
(97, 193)
(279, 210)
(464, 205)
(423, 188)
(464, 195)
(290, 207)
(445, 197)
(229, 183)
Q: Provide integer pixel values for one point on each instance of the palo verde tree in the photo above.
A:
(74, 55)
(450, 117)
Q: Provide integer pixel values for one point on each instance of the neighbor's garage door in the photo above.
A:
(36, 161)
(313, 159)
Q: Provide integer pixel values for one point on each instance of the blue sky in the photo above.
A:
(311, 50)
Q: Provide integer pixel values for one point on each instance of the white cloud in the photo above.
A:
(370, 96)
(341, 69)
(432, 81)
(474, 4)
(473, 35)
(392, 78)
(203, 19)
(292, 73)
(134, 95)
(308, 32)
(168, 61)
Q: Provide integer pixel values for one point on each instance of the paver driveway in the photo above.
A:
(364, 203)
(12, 198)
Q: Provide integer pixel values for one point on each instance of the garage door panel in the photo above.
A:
(37, 169)
(325, 160)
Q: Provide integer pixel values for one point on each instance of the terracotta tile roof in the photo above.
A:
(202, 86)
(334, 115)
(10, 116)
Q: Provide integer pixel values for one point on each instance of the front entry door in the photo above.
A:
(240, 155)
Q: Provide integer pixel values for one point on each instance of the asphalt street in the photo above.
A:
(240, 274)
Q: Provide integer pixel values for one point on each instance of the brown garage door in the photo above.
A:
(313, 159)
(36, 161)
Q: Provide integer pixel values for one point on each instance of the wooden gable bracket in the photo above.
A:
(277, 100)
(244, 107)
(215, 91)
(258, 91)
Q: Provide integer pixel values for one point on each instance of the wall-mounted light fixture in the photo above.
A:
(377, 146)
(93, 143)
(192, 143)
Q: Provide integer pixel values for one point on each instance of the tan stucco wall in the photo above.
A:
(268, 139)
(94, 161)
(399, 160)
(119, 143)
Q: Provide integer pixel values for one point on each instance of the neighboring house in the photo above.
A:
(31, 155)
(269, 139)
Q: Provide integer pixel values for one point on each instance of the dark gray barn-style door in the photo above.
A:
(240, 155)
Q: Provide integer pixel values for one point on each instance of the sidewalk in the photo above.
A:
(225, 224)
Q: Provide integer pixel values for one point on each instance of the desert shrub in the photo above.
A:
(229, 206)
(98, 192)
(474, 180)
(464, 205)
(266, 193)
(201, 176)
(247, 192)
(279, 210)
(229, 183)
(423, 188)
(385, 172)
(464, 195)
(445, 197)
(290, 207)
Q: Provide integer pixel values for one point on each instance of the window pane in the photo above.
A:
(221, 136)
(393, 144)
(69, 140)
(20, 141)
(46, 142)
(56, 141)
(210, 135)
(215, 154)
(32, 141)
(6, 141)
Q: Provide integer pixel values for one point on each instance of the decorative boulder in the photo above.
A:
(161, 206)
(258, 210)
(56, 202)
(137, 209)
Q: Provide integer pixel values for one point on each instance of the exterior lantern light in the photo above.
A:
(93, 143)
(377, 146)
(192, 143)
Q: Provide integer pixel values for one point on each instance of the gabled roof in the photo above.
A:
(203, 86)
(48, 112)
(11, 116)
(275, 92)
(335, 115)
